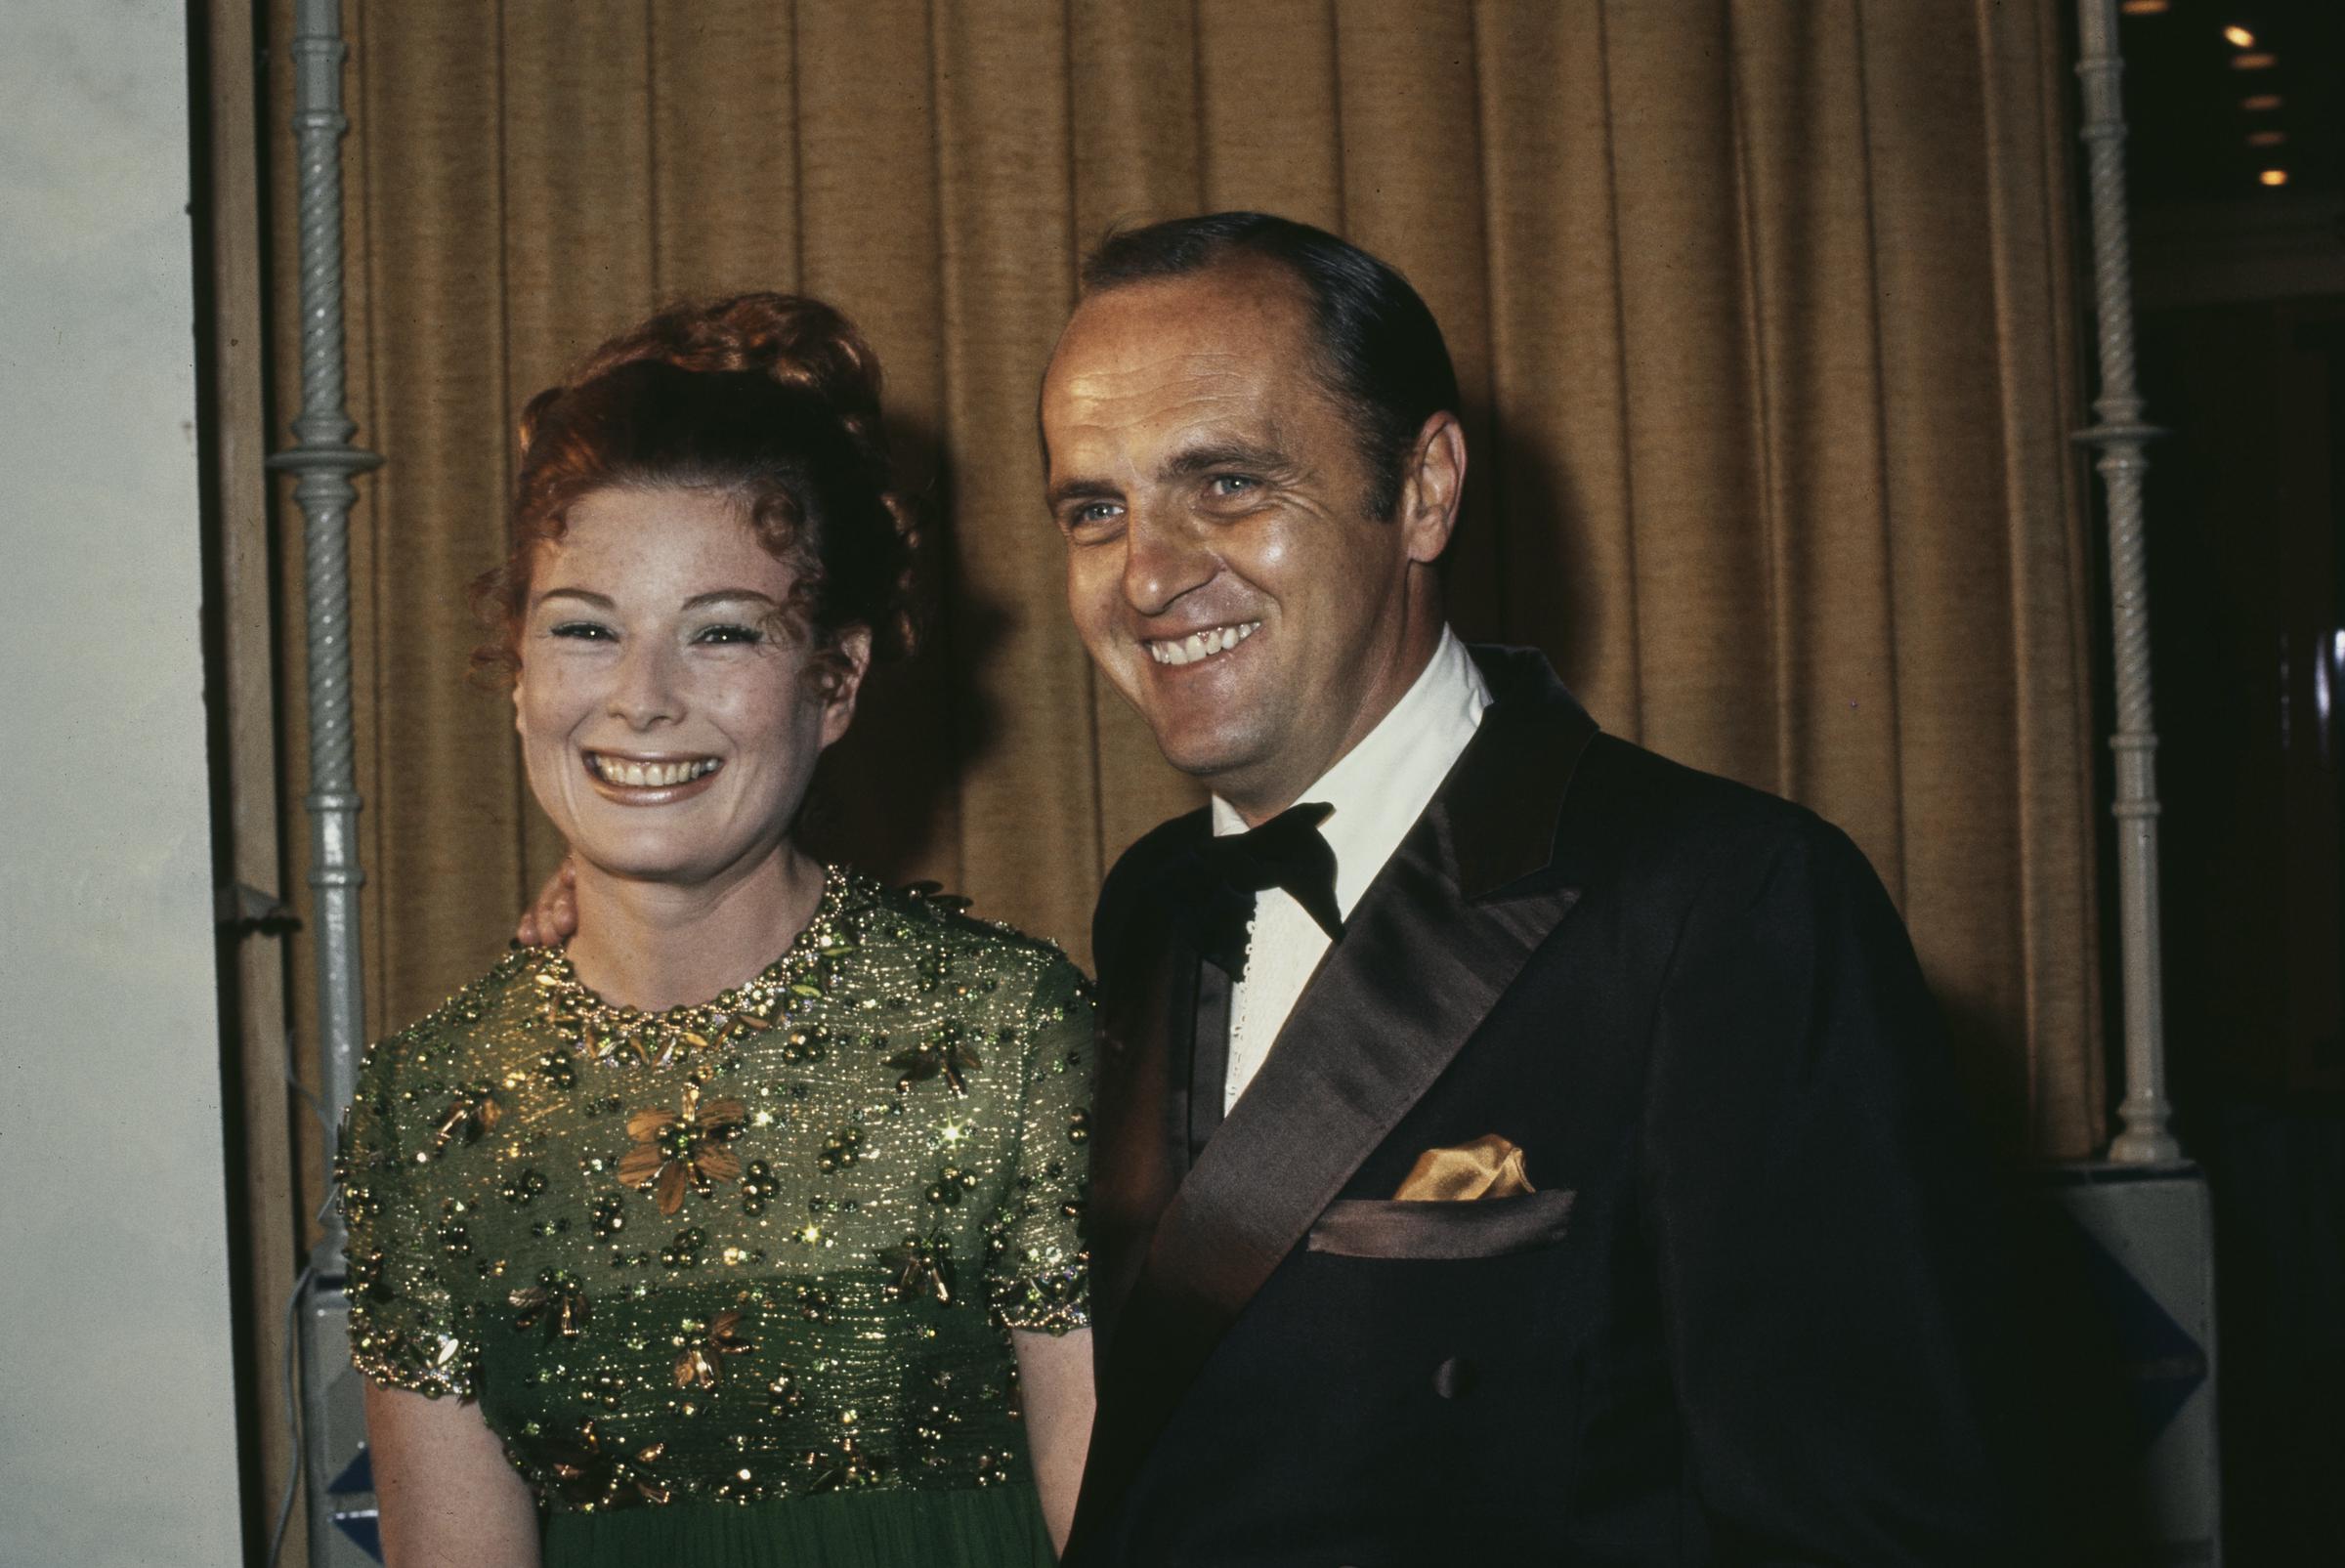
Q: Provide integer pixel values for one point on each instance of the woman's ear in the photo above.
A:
(853, 655)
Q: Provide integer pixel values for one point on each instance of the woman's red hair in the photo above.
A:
(771, 401)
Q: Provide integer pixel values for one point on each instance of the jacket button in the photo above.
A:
(1454, 1379)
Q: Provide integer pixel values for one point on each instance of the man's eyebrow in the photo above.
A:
(1081, 489)
(1191, 461)
(1187, 463)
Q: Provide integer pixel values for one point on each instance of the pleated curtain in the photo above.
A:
(1762, 309)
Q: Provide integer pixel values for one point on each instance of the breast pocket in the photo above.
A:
(1482, 1227)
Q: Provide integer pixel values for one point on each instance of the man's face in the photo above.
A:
(1221, 567)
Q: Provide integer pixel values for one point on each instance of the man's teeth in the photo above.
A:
(1199, 645)
(650, 775)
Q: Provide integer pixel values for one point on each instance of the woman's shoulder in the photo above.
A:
(935, 932)
(480, 1021)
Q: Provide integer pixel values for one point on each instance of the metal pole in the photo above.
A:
(326, 461)
(2122, 438)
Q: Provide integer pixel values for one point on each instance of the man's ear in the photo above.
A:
(853, 648)
(1432, 486)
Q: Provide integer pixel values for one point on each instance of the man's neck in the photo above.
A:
(1258, 805)
(656, 945)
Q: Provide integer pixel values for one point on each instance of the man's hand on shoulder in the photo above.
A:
(553, 918)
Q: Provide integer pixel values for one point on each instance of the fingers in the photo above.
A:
(554, 918)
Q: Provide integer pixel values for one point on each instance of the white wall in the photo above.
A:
(116, 1415)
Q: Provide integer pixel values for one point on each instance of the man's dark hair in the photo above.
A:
(1381, 353)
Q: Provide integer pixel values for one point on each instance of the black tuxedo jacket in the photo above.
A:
(1745, 1315)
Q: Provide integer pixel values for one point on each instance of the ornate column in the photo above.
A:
(2122, 438)
(325, 462)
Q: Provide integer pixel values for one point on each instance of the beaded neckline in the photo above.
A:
(612, 1034)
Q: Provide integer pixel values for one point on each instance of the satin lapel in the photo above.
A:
(1439, 935)
(1419, 965)
(1140, 1144)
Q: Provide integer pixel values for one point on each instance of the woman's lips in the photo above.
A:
(648, 780)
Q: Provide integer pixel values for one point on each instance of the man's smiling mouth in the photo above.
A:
(1200, 645)
(665, 774)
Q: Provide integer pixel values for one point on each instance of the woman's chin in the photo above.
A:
(658, 860)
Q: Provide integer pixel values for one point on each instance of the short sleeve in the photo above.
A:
(404, 1323)
(1038, 1265)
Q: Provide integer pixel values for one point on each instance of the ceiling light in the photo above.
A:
(2273, 177)
(2268, 139)
(2241, 37)
(2253, 62)
(2261, 102)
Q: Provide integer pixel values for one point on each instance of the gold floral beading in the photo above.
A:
(750, 1249)
(611, 1032)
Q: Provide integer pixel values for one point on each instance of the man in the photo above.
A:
(1509, 1146)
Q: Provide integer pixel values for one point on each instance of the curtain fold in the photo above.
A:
(1761, 309)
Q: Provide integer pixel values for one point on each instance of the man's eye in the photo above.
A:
(586, 630)
(729, 633)
(1092, 516)
(1227, 485)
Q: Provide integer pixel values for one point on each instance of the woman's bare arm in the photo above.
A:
(1054, 1374)
(447, 1498)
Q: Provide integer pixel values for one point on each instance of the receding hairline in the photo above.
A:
(1232, 259)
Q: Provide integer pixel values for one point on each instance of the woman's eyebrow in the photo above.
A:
(585, 595)
(714, 596)
(718, 596)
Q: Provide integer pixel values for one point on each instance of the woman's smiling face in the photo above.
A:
(665, 712)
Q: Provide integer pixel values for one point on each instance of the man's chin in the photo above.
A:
(1221, 763)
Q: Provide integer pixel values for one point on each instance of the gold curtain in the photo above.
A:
(1762, 308)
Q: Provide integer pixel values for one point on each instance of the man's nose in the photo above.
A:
(1166, 555)
(647, 687)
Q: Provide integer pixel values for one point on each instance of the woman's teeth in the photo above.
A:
(649, 775)
(1199, 645)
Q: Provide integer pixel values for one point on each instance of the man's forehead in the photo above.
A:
(1230, 309)
(1196, 352)
(1162, 374)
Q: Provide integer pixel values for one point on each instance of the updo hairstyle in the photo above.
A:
(771, 401)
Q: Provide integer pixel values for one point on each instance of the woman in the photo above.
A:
(708, 1240)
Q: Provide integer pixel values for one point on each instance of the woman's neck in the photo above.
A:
(653, 945)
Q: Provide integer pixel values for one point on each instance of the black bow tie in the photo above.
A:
(1228, 871)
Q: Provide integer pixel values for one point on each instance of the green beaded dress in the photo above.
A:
(733, 1283)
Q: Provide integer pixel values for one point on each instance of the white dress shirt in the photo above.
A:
(1379, 788)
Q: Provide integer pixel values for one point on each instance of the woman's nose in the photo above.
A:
(646, 689)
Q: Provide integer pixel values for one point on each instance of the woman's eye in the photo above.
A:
(587, 630)
(729, 634)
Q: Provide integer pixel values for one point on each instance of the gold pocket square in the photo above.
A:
(1487, 1168)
